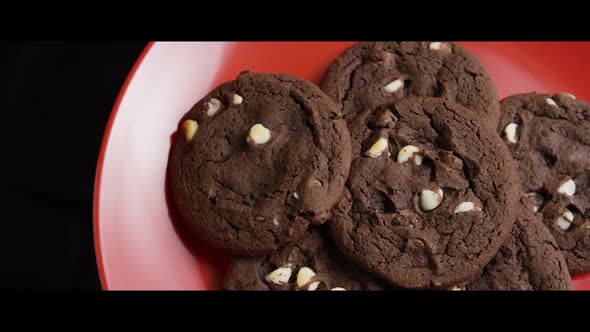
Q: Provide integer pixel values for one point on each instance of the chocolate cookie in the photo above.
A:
(371, 75)
(313, 263)
(549, 137)
(431, 194)
(529, 260)
(257, 160)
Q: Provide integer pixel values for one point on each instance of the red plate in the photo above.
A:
(137, 245)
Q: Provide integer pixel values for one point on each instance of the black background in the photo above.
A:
(55, 100)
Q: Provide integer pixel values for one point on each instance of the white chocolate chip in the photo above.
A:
(316, 183)
(466, 207)
(435, 46)
(296, 195)
(279, 276)
(430, 200)
(510, 132)
(550, 102)
(212, 106)
(190, 128)
(304, 276)
(565, 220)
(567, 94)
(338, 289)
(258, 134)
(313, 286)
(394, 86)
(567, 188)
(457, 288)
(275, 221)
(438, 46)
(418, 159)
(535, 199)
(563, 224)
(237, 99)
(407, 152)
(377, 149)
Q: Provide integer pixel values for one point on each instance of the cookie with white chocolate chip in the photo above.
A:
(528, 260)
(310, 264)
(431, 206)
(257, 160)
(548, 136)
(370, 75)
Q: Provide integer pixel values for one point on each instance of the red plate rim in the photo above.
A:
(98, 176)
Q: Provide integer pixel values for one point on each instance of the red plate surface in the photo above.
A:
(137, 245)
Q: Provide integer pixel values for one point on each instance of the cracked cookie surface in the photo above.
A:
(373, 74)
(257, 160)
(528, 260)
(432, 204)
(548, 136)
(313, 263)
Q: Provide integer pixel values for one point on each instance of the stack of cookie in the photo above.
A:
(403, 171)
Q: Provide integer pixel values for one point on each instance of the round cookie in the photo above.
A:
(257, 160)
(313, 263)
(370, 75)
(430, 197)
(529, 260)
(549, 139)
